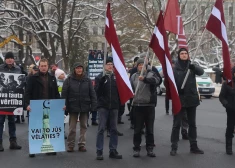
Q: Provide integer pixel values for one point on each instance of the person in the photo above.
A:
(218, 74)
(189, 101)
(108, 104)
(227, 98)
(41, 85)
(144, 103)
(60, 77)
(3, 86)
(80, 98)
(30, 69)
(9, 67)
(12, 84)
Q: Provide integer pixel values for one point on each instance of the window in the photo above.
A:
(95, 30)
(230, 10)
(95, 46)
(102, 31)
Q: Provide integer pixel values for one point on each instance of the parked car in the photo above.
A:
(205, 86)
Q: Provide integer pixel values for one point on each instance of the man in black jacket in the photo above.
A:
(189, 101)
(108, 104)
(9, 67)
(41, 85)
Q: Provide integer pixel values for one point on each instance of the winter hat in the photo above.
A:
(109, 60)
(9, 55)
(77, 64)
(58, 72)
(180, 50)
(139, 61)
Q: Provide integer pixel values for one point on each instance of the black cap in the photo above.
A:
(136, 59)
(77, 64)
(109, 60)
(9, 55)
(35, 68)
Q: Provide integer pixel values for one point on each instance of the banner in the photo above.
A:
(11, 93)
(46, 126)
(95, 63)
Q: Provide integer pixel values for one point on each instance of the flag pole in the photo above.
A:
(186, 77)
(152, 60)
(105, 56)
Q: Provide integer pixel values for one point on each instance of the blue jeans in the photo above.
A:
(11, 126)
(104, 114)
(93, 116)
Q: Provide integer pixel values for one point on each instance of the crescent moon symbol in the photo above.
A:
(45, 105)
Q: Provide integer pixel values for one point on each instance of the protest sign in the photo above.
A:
(11, 93)
(46, 126)
(95, 63)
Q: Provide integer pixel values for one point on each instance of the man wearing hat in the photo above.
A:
(9, 67)
(108, 104)
(41, 85)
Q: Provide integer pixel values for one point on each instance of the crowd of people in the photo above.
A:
(82, 98)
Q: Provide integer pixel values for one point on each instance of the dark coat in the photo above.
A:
(188, 96)
(107, 92)
(34, 88)
(14, 69)
(79, 94)
(227, 97)
(218, 75)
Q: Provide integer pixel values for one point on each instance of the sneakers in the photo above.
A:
(14, 145)
(194, 149)
(173, 152)
(136, 153)
(114, 155)
(82, 149)
(99, 155)
(1, 147)
(150, 152)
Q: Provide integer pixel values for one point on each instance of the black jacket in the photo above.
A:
(14, 69)
(34, 88)
(227, 97)
(188, 96)
(79, 94)
(107, 92)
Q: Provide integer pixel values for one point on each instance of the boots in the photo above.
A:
(1, 147)
(150, 152)
(194, 149)
(173, 152)
(114, 154)
(13, 144)
(229, 146)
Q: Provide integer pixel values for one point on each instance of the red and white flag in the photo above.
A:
(123, 82)
(173, 22)
(159, 44)
(216, 25)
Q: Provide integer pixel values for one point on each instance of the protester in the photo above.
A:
(108, 104)
(144, 104)
(41, 85)
(189, 101)
(80, 99)
(9, 67)
(218, 74)
(227, 98)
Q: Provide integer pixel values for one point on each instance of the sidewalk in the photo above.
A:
(217, 90)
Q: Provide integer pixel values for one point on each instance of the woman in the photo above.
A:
(189, 101)
(227, 98)
(80, 99)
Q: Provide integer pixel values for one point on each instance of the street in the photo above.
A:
(211, 123)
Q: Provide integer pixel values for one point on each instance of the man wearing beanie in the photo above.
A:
(9, 67)
(144, 103)
(108, 104)
(189, 101)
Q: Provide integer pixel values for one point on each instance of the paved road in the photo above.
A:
(211, 121)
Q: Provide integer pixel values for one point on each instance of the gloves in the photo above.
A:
(102, 80)
(192, 67)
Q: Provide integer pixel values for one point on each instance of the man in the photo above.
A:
(41, 85)
(144, 104)
(9, 67)
(108, 104)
